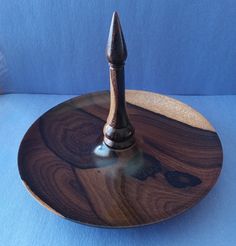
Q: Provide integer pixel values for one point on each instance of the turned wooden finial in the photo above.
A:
(118, 132)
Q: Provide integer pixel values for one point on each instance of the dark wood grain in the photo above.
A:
(118, 131)
(102, 175)
(64, 163)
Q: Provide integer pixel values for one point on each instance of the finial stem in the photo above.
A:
(118, 131)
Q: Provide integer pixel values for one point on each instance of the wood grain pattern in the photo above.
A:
(170, 168)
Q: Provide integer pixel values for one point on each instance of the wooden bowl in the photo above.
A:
(176, 160)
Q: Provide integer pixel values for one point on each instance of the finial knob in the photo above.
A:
(118, 131)
(116, 47)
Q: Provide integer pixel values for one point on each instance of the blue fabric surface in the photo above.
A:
(24, 222)
(175, 47)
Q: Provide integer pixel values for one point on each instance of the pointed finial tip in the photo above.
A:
(115, 14)
(116, 48)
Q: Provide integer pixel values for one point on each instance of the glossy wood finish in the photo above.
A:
(175, 162)
(118, 179)
(118, 132)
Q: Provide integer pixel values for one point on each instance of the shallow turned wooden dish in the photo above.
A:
(152, 158)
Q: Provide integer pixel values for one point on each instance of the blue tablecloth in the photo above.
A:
(24, 222)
